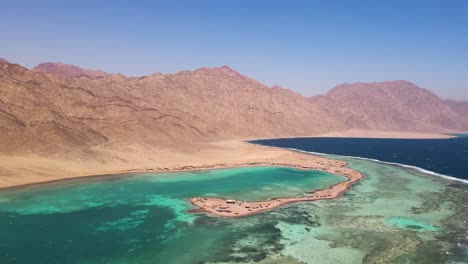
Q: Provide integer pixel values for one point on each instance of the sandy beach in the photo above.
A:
(24, 170)
(114, 158)
(358, 133)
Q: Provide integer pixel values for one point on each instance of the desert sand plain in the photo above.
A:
(118, 159)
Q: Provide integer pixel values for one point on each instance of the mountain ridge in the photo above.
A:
(402, 104)
(56, 111)
(59, 68)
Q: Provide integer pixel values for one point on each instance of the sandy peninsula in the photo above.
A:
(233, 208)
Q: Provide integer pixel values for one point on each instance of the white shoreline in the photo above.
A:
(384, 162)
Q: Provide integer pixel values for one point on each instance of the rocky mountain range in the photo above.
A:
(57, 108)
(63, 69)
(393, 106)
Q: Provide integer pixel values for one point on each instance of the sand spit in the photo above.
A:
(233, 208)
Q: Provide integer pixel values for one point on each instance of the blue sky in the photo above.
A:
(307, 46)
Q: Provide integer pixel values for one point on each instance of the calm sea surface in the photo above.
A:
(443, 156)
(394, 215)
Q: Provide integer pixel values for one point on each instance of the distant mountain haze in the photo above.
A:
(459, 106)
(393, 105)
(59, 108)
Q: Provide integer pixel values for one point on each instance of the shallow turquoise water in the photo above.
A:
(122, 217)
(409, 223)
(394, 215)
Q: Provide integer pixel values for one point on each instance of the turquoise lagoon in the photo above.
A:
(394, 215)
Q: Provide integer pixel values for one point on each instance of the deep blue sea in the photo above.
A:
(444, 156)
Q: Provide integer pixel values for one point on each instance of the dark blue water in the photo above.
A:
(444, 156)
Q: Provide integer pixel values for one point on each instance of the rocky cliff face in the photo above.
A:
(56, 111)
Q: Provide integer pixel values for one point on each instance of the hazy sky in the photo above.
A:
(307, 46)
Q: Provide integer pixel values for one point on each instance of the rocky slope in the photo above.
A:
(53, 113)
(65, 110)
(459, 106)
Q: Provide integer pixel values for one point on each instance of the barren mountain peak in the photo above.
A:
(116, 75)
(390, 83)
(371, 86)
(217, 70)
(225, 67)
(62, 69)
(397, 82)
(393, 105)
(4, 60)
